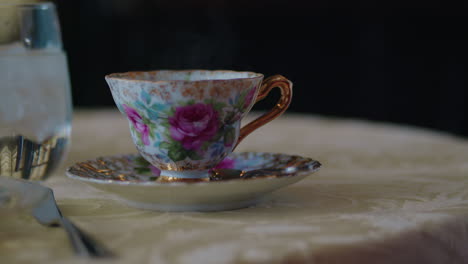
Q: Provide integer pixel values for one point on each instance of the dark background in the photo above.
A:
(400, 62)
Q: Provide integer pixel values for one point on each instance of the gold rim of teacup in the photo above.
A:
(126, 76)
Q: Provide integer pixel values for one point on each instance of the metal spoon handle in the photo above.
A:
(82, 243)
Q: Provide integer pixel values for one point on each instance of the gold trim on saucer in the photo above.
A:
(125, 168)
(165, 179)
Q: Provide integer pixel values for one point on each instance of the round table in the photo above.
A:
(385, 194)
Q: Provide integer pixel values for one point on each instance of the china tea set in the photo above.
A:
(185, 126)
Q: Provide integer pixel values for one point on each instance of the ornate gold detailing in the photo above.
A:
(251, 165)
(166, 179)
(23, 158)
(285, 100)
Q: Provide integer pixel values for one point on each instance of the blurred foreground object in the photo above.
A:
(35, 101)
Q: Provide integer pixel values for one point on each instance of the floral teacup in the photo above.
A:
(186, 122)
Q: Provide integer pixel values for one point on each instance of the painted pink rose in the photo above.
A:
(249, 97)
(154, 170)
(138, 124)
(192, 125)
(227, 163)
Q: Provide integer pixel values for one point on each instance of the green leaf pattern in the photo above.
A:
(156, 116)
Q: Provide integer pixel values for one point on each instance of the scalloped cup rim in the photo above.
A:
(123, 76)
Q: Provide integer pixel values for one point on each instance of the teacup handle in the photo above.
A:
(274, 81)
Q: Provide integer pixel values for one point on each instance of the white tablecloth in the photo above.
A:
(385, 194)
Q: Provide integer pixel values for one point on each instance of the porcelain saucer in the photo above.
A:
(241, 180)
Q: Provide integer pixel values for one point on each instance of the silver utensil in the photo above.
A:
(47, 213)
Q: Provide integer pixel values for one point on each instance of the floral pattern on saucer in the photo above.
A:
(132, 179)
(134, 168)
